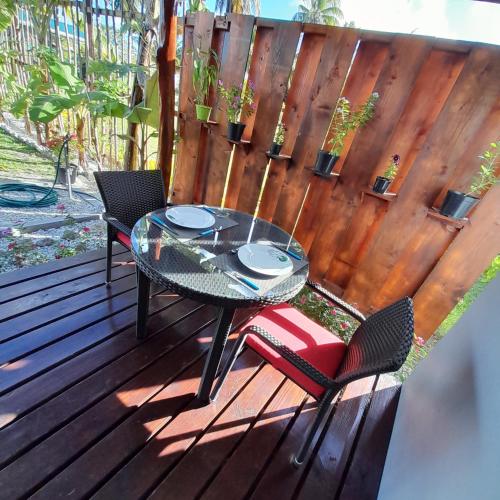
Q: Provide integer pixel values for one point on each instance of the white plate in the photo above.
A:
(190, 217)
(265, 259)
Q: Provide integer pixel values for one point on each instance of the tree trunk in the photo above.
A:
(166, 83)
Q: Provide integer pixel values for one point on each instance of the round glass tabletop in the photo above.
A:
(206, 268)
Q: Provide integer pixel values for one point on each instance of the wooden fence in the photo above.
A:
(439, 108)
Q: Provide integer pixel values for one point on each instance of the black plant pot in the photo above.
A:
(325, 163)
(235, 131)
(457, 204)
(381, 184)
(275, 149)
(62, 177)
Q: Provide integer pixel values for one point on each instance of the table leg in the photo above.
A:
(142, 304)
(214, 356)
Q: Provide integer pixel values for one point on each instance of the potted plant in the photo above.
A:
(382, 182)
(458, 204)
(239, 102)
(343, 121)
(279, 139)
(204, 76)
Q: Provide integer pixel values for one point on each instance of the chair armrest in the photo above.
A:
(337, 300)
(291, 356)
(120, 226)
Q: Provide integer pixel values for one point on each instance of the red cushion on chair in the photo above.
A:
(123, 239)
(318, 346)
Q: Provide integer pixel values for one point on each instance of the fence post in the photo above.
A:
(165, 58)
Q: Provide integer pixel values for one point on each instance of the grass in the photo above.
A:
(18, 159)
(338, 322)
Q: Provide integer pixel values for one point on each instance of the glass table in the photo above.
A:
(191, 269)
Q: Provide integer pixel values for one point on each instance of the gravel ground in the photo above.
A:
(20, 249)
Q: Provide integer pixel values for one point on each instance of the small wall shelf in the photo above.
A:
(243, 142)
(386, 196)
(458, 223)
(333, 175)
(208, 123)
(278, 157)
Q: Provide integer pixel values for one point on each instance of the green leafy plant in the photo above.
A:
(279, 134)
(204, 73)
(345, 120)
(486, 177)
(196, 6)
(239, 100)
(393, 167)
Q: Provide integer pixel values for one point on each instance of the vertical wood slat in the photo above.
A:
(248, 169)
(235, 48)
(199, 35)
(394, 85)
(363, 75)
(328, 82)
(474, 95)
(460, 266)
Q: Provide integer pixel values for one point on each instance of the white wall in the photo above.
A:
(445, 443)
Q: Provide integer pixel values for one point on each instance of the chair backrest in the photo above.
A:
(128, 196)
(380, 344)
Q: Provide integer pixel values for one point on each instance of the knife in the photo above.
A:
(244, 280)
(160, 223)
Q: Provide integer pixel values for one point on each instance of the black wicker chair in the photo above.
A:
(317, 360)
(127, 196)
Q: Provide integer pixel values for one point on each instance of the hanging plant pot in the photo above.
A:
(457, 204)
(325, 162)
(235, 131)
(275, 149)
(381, 184)
(203, 112)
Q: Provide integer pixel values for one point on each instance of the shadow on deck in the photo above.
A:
(86, 409)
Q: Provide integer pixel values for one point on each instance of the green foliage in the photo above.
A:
(345, 120)
(204, 73)
(7, 11)
(320, 12)
(196, 6)
(486, 176)
(392, 169)
(325, 313)
(279, 133)
(239, 100)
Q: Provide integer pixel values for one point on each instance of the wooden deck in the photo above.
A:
(88, 411)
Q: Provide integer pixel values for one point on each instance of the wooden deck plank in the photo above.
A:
(246, 463)
(37, 284)
(28, 273)
(196, 468)
(47, 385)
(56, 412)
(365, 471)
(88, 410)
(147, 432)
(44, 315)
(324, 474)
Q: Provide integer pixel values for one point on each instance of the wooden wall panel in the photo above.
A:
(474, 95)
(439, 108)
(190, 129)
